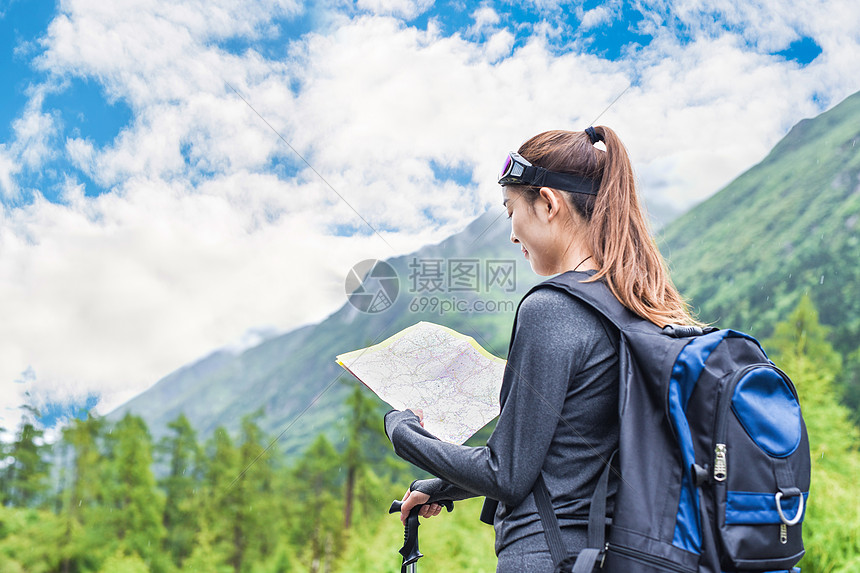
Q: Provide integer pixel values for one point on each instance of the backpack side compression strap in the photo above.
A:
(589, 557)
(551, 528)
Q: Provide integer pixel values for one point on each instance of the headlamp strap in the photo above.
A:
(539, 176)
(567, 182)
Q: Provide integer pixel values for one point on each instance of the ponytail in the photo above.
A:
(618, 234)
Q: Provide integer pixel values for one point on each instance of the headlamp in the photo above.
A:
(518, 171)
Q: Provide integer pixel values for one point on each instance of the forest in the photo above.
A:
(103, 498)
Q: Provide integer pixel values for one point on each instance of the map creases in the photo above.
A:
(451, 377)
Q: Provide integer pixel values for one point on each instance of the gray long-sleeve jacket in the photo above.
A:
(559, 416)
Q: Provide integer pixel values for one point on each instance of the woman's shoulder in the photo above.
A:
(548, 306)
(560, 324)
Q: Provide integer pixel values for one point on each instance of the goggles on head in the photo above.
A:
(518, 171)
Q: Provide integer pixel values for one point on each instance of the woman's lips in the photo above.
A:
(525, 252)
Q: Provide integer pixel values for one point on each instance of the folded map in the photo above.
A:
(448, 375)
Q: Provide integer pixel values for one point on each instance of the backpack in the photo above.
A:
(713, 454)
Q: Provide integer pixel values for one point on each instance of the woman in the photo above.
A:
(573, 207)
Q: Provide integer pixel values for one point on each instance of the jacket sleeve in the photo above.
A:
(440, 490)
(540, 365)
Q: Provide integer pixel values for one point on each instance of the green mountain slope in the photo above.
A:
(294, 379)
(787, 226)
(745, 256)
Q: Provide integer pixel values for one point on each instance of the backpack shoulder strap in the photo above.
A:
(598, 296)
(595, 294)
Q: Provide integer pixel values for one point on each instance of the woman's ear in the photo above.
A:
(554, 202)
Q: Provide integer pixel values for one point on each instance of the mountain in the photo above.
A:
(788, 226)
(294, 379)
(744, 257)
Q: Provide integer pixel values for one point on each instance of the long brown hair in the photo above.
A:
(621, 244)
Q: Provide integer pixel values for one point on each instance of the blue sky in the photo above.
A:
(150, 214)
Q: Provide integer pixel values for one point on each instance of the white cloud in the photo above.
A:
(499, 45)
(153, 51)
(598, 16)
(118, 290)
(486, 19)
(200, 239)
(32, 133)
(81, 153)
(8, 168)
(406, 9)
(770, 25)
(31, 144)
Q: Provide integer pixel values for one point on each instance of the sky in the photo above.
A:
(182, 176)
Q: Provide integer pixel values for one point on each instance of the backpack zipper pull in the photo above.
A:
(783, 533)
(720, 463)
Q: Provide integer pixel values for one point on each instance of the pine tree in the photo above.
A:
(850, 384)
(4, 487)
(25, 476)
(832, 523)
(363, 433)
(136, 503)
(315, 491)
(256, 509)
(182, 502)
(205, 556)
(121, 562)
(221, 498)
(87, 536)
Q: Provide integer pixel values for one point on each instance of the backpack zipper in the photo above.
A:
(723, 406)
(720, 469)
(652, 560)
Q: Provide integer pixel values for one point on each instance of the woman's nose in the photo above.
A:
(514, 239)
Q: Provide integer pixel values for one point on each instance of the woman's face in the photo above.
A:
(530, 229)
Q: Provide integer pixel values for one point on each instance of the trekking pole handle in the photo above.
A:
(409, 551)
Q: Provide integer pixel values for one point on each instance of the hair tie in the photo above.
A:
(593, 135)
